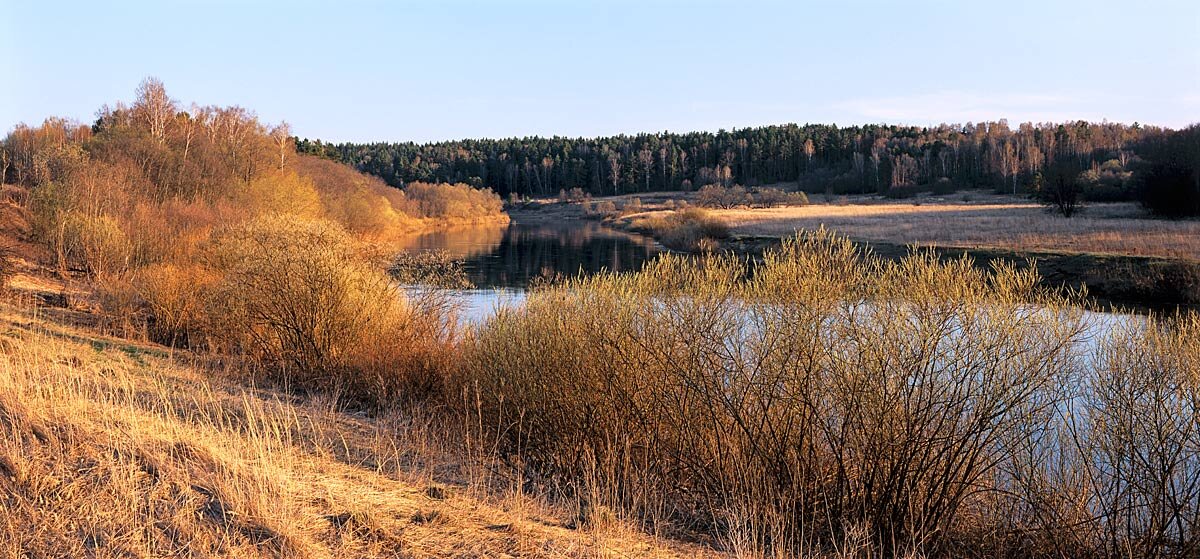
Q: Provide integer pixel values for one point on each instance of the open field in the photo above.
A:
(967, 220)
(1103, 228)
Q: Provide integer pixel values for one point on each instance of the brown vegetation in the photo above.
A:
(728, 197)
(110, 448)
(8, 263)
(203, 229)
(691, 229)
(827, 400)
(301, 300)
(821, 401)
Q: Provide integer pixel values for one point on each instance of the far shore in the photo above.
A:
(1120, 254)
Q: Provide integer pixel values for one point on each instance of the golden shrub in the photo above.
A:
(175, 301)
(283, 192)
(302, 298)
(94, 243)
(825, 392)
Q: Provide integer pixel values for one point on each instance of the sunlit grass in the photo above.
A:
(111, 448)
(1104, 228)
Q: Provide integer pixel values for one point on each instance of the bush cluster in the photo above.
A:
(826, 399)
(726, 197)
(202, 228)
(689, 229)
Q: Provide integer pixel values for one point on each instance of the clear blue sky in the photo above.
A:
(446, 69)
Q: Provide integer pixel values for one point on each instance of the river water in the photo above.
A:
(502, 260)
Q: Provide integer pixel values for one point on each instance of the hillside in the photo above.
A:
(115, 447)
(194, 325)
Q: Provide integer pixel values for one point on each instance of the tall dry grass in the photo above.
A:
(117, 449)
(826, 401)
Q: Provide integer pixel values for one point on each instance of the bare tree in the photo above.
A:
(614, 167)
(281, 135)
(154, 107)
(3, 163)
(646, 158)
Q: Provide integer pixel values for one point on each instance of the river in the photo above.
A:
(502, 260)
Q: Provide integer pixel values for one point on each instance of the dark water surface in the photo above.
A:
(502, 260)
(510, 256)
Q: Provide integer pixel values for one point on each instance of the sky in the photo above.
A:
(450, 69)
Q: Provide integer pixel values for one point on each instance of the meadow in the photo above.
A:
(1003, 222)
(111, 447)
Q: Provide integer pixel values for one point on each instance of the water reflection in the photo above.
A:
(502, 260)
(509, 257)
(461, 242)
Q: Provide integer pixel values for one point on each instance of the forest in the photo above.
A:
(885, 159)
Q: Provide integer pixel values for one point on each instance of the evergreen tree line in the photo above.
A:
(884, 159)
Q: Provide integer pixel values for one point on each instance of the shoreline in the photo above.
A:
(1113, 281)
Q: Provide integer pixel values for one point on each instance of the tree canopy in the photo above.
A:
(858, 159)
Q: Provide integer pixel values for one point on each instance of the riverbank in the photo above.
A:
(1122, 256)
(113, 444)
(1111, 280)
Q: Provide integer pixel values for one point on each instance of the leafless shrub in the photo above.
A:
(770, 197)
(827, 398)
(302, 300)
(717, 196)
(434, 268)
(603, 208)
(691, 229)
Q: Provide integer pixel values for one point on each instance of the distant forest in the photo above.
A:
(890, 160)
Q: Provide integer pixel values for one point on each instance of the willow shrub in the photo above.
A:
(304, 300)
(826, 396)
(691, 229)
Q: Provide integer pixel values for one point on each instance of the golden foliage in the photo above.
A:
(690, 229)
(301, 298)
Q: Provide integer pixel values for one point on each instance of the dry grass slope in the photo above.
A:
(116, 449)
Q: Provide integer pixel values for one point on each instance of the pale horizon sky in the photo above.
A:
(452, 69)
